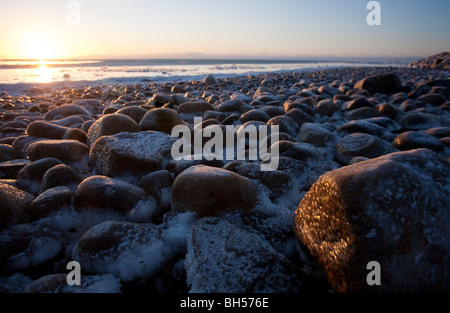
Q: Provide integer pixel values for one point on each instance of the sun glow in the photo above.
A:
(39, 46)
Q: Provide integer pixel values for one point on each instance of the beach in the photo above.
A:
(362, 175)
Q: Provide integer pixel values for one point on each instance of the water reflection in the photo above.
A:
(44, 72)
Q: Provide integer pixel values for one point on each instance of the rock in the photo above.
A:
(71, 152)
(419, 121)
(360, 102)
(194, 107)
(327, 108)
(223, 258)
(109, 125)
(255, 115)
(45, 129)
(57, 283)
(102, 193)
(387, 109)
(60, 175)
(286, 125)
(363, 126)
(272, 110)
(14, 283)
(413, 140)
(393, 210)
(14, 205)
(362, 113)
(232, 105)
(278, 182)
(131, 153)
(129, 251)
(135, 112)
(316, 135)
(432, 99)
(300, 117)
(9, 169)
(50, 201)
(302, 151)
(159, 99)
(30, 176)
(380, 83)
(163, 120)
(359, 144)
(154, 183)
(75, 134)
(437, 61)
(439, 132)
(26, 246)
(209, 80)
(211, 191)
(8, 153)
(64, 111)
(215, 115)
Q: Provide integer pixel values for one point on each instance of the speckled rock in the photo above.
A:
(393, 210)
(223, 258)
(109, 125)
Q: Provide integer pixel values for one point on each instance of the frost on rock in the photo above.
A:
(127, 154)
(394, 210)
(132, 251)
(224, 258)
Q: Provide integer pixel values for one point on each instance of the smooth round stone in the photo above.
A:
(64, 111)
(60, 175)
(413, 140)
(255, 115)
(327, 108)
(50, 201)
(212, 191)
(300, 117)
(9, 169)
(8, 153)
(109, 125)
(14, 205)
(135, 112)
(360, 144)
(232, 105)
(161, 119)
(100, 193)
(286, 125)
(194, 107)
(360, 102)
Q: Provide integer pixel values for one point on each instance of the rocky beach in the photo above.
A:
(87, 175)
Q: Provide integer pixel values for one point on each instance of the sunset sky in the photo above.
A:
(222, 29)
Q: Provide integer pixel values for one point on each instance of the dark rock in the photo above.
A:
(50, 201)
(99, 193)
(9, 169)
(392, 210)
(211, 191)
(64, 111)
(361, 113)
(109, 125)
(230, 106)
(135, 112)
(419, 121)
(14, 205)
(255, 115)
(433, 99)
(359, 144)
(327, 108)
(60, 175)
(194, 107)
(71, 152)
(27, 246)
(413, 140)
(316, 135)
(8, 153)
(380, 83)
(75, 134)
(300, 117)
(163, 120)
(286, 125)
(360, 102)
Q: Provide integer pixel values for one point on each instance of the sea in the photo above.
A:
(18, 75)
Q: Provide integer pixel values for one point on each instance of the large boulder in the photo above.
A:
(211, 191)
(131, 153)
(393, 210)
(224, 258)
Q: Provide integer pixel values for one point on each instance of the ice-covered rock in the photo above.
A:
(223, 258)
(51, 200)
(393, 210)
(129, 251)
(211, 191)
(25, 246)
(131, 153)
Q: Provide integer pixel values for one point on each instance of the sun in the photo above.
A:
(40, 46)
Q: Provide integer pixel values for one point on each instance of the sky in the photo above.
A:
(31, 29)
